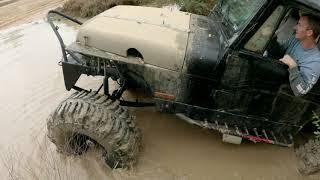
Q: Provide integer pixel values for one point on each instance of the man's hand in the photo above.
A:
(289, 61)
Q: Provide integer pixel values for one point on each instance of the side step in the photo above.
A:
(255, 135)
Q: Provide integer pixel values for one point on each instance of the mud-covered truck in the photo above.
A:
(220, 72)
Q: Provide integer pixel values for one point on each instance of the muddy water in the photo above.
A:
(32, 86)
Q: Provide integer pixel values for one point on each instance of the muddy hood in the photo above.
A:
(160, 35)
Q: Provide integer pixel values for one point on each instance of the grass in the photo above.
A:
(87, 9)
(316, 122)
(202, 7)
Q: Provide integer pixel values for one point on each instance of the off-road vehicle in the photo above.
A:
(220, 72)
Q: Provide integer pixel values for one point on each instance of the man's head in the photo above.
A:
(308, 27)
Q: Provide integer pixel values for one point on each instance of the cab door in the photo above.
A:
(252, 77)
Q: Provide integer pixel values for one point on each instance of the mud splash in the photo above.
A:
(32, 86)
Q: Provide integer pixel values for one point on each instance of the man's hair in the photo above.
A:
(314, 24)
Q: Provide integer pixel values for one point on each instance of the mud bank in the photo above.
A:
(87, 9)
(14, 12)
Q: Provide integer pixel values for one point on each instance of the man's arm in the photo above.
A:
(300, 85)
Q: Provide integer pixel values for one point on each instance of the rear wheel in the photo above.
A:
(309, 156)
(87, 118)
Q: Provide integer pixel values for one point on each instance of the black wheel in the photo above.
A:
(86, 118)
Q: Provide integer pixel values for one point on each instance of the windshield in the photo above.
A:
(238, 12)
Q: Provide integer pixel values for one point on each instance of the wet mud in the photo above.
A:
(13, 12)
(6, 2)
(32, 86)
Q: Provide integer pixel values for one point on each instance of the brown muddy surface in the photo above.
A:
(32, 86)
(13, 12)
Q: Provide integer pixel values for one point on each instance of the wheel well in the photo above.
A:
(132, 52)
(138, 81)
(309, 127)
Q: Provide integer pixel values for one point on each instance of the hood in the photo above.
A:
(148, 15)
(159, 35)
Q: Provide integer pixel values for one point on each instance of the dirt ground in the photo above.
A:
(32, 86)
(13, 12)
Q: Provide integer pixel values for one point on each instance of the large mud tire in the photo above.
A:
(308, 156)
(85, 117)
